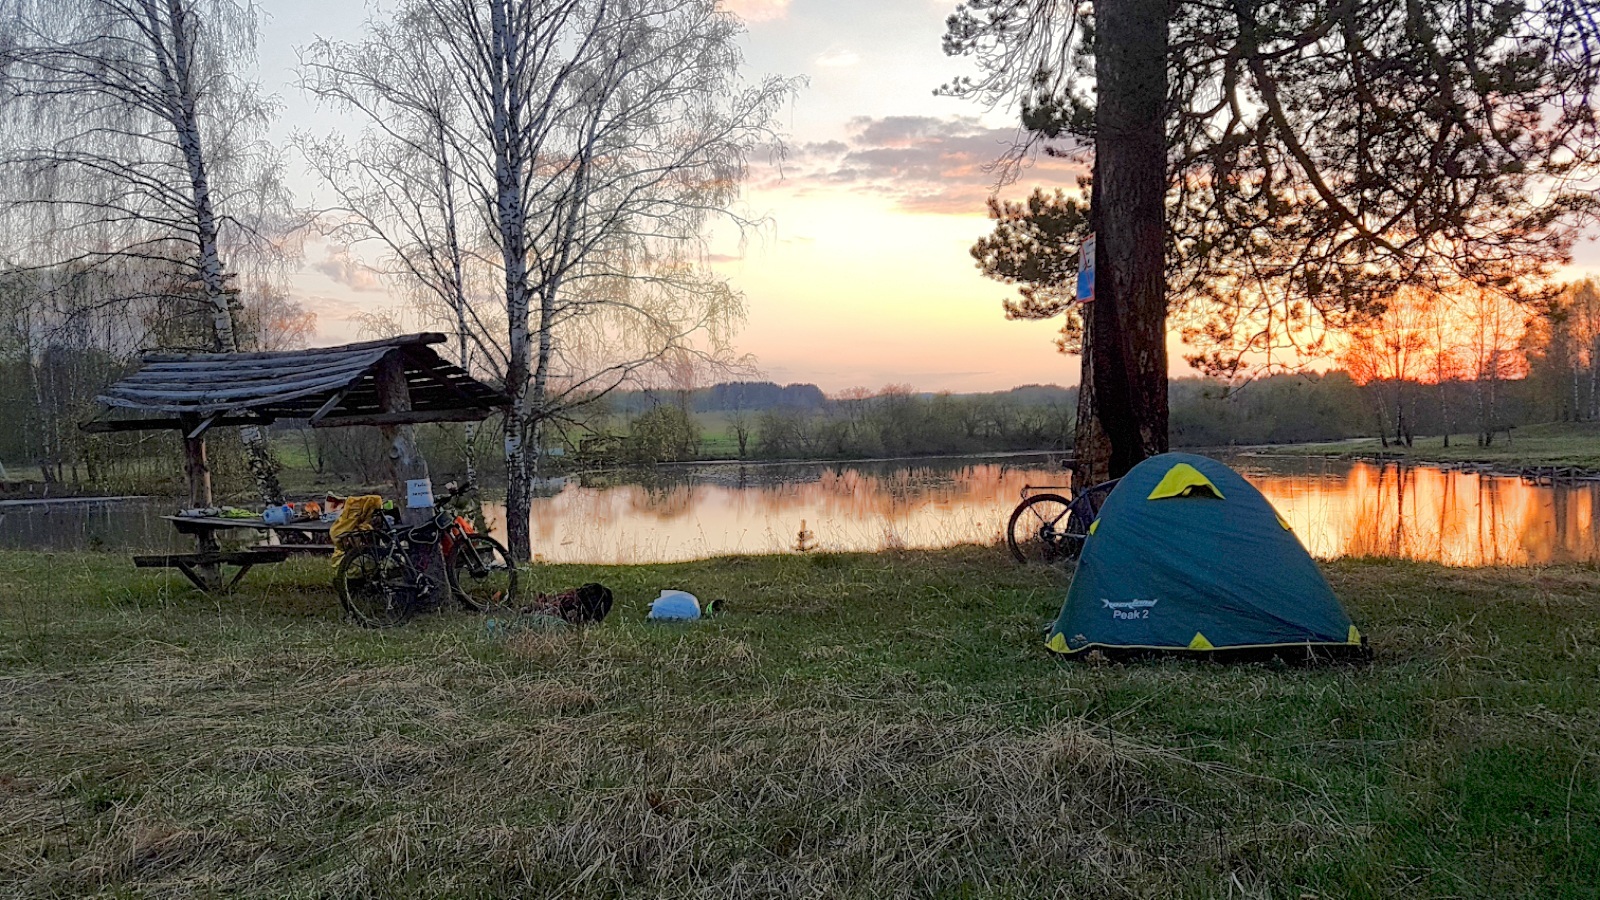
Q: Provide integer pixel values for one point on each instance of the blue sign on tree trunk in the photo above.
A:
(1086, 270)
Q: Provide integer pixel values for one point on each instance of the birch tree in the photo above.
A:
(1388, 354)
(1494, 327)
(128, 136)
(398, 190)
(589, 143)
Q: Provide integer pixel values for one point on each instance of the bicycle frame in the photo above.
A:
(402, 541)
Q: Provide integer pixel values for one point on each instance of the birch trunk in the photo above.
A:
(507, 134)
(178, 81)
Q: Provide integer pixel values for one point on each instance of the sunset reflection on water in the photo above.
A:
(1411, 512)
(1336, 508)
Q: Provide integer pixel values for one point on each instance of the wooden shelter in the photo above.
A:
(397, 381)
(392, 384)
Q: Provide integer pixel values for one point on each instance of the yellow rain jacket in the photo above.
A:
(356, 516)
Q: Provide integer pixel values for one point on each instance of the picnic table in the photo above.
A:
(203, 568)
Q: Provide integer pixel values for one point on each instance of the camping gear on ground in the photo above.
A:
(355, 516)
(675, 605)
(498, 628)
(583, 605)
(1187, 558)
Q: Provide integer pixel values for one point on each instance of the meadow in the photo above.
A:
(870, 726)
(1548, 444)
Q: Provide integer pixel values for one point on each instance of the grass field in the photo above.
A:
(857, 726)
(1553, 444)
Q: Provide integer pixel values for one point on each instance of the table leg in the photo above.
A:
(194, 578)
(239, 574)
(209, 573)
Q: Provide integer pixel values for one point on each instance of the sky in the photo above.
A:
(862, 278)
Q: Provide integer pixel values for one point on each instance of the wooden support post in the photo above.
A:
(406, 462)
(196, 469)
(198, 473)
(405, 458)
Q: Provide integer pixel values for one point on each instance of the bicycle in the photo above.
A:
(1051, 528)
(380, 584)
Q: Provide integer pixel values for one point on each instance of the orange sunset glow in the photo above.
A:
(860, 275)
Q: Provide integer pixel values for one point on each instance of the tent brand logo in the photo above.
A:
(1129, 609)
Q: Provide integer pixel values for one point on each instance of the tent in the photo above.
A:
(1187, 558)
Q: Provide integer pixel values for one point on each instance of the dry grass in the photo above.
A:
(859, 726)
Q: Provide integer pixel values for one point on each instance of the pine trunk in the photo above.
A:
(1091, 450)
(1128, 216)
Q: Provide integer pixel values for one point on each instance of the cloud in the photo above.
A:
(838, 58)
(340, 266)
(757, 10)
(923, 163)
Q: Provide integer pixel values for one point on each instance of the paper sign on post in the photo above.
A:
(1086, 270)
(419, 493)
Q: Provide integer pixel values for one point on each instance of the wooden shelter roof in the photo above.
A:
(327, 385)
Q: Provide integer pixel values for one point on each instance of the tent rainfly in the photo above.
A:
(1186, 558)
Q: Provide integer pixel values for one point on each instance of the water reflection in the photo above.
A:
(1458, 518)
(714, 510)
(1337, 509)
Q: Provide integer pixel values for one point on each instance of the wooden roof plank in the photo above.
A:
(426, 337)
(333, 385)
(202, 391)
(231, 369)
(256, 372)
(203, 394)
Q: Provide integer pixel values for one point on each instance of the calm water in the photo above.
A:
(1336, 508)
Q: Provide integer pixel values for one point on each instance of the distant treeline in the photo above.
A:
(738, 395)
(798, 421)
(758, 420)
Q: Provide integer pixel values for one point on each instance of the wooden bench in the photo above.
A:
(324, 549)
(204, 569)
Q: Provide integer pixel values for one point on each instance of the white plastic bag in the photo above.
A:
(675, 605)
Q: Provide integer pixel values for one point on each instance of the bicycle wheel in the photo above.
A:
(482, 575)
(1038, 530)
(372, 588)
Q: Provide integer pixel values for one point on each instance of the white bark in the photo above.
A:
(595, 138)
(119, 111)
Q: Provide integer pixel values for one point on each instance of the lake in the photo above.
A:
(1337, 508)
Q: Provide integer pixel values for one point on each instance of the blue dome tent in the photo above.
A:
(1187, 558)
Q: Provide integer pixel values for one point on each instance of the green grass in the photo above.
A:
(717, 440)
(1552, 444)
(864, 726)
